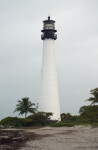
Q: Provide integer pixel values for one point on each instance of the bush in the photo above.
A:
(40, 118)
(26, 122)
(16, 122)
(37, 119)
(88, 114)
(11, 121)
(62, 124)
(94, 124)
(67, 117)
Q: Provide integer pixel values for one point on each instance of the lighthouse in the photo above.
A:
(49, 97)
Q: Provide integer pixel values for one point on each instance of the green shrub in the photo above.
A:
(95, 124)
(62, 124)
(37, 119)
(26, 122)
(67, 117)
(11, 121)
(16, 122)
(88, 114)
(40, 118)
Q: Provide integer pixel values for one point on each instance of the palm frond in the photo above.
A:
(24, 106)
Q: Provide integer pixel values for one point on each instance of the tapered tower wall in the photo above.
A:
(49, 98)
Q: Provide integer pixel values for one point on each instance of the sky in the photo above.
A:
(21, 51)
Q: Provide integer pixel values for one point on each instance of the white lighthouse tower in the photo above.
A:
(49, 98)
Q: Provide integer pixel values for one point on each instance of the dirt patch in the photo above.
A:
(13, 139)
(32, 127)
(68, 132)
(60, 138)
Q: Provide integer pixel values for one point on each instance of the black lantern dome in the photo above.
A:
(49, 29)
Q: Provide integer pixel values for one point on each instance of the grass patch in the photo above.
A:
(62, 124)
(94, 125)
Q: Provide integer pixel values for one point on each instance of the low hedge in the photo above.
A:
(11, 121)
(62, 124)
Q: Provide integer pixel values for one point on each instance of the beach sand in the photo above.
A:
(64, 138)
(52, 138)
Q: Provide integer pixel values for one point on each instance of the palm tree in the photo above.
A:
(93, 99)
(24, 106)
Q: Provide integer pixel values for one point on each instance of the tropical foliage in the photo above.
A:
(24, 106)
(37, 119)
(89, 113)
(40, 118)
(11, 121)
(93, 99)
(67, 117)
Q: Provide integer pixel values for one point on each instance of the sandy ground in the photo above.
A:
(50, 138)
(63, 138)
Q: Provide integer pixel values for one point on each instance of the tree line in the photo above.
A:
(87, 114)
(24, 106)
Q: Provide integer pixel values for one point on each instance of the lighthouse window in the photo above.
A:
(48, 26)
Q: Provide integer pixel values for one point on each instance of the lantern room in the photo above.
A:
(48, 29)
